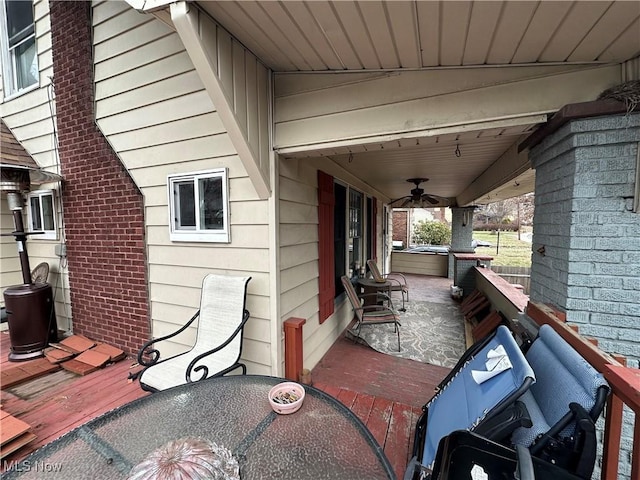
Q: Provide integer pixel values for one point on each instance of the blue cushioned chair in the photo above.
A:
(554, 419)
(463, 404)
(566, 400)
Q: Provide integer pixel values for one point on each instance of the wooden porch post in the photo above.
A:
(612, 430)
(293, 359)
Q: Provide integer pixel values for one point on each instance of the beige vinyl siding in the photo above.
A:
(43, 40)
(298, 233)
(44, 251)
(10, 273)
(29, 117)
(420, 263)
(298, 204)
(153, 109)
(237, 82)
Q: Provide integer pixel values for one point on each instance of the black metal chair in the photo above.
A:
(464, 455)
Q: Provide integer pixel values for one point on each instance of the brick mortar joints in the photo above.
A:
(89, 165)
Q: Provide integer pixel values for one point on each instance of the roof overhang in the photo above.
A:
(314, 39)
(19, 171)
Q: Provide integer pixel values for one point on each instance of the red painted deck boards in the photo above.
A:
(62, 406)
(385, 392)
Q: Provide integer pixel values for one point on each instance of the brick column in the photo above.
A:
(401, 227)
(586, 237)
(103, 208)
(461, 234)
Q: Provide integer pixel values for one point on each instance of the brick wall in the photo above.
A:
(586, 238)
(462, 229)
(103, 209)
(461, 237)
(400, 221)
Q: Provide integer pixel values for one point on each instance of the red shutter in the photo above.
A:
(326, 279)
(374, 228)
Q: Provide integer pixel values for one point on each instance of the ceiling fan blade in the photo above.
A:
(391, 202)
(406, 202)
(430, 199)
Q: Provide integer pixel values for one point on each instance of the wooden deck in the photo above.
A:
(58, 402)
(384, 391)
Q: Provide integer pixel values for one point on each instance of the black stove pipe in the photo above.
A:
(21, 237)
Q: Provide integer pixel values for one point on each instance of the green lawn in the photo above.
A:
(510, 250)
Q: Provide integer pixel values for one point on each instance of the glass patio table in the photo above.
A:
(322, 440)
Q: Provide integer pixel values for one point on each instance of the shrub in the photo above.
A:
(488, 227)
(431, 233)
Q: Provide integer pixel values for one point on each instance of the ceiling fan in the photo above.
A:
(417, 197)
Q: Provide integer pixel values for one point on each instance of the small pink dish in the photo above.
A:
(286, 397)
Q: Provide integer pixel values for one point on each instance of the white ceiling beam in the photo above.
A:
(505, 169)
(377, 140)
(405, 104)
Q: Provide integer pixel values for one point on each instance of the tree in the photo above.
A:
(517, 210)
(503, 211)
(431, 233)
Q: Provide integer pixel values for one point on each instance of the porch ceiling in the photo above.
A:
(387, 165)
(293, 36)
(321, 36)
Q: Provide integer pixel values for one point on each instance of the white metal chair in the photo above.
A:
(222, 316)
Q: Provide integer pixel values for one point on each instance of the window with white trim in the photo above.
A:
(198, 207)
(41, 213)
(356, 250)
(350, 233)
(18, 42)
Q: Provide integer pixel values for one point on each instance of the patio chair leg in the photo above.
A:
(357, 335)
